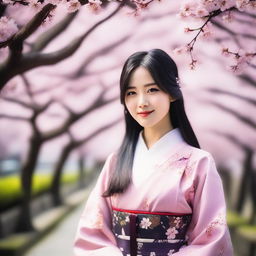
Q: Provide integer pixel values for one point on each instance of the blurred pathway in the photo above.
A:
(60, 241)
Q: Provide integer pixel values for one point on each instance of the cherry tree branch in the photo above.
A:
(29, 28)
(19, 102)
(73, 117)
(15, 118)
(235, 95)
(44, 39)
(242, 118)
(32, 59)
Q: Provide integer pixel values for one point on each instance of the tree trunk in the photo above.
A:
(24, 222)
(56, 182)
(253, 194)
(244, 181)
(81, 163)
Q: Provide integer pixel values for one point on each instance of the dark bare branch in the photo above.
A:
(233, 33)
(237, 115)
(232, 139)
(55, 57)
(229, 31)
(248, 79)
(33, 24)
(97, 103)
(15, 118)
(81, 70)
(19, 102)
(28, 88)
(238, 96)
(78, 143)
(45, 38)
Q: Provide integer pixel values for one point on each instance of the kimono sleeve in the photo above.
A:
(208, 233)
(94, 236)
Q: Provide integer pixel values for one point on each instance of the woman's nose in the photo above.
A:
(143, 102)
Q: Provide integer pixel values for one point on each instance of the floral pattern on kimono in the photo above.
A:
(156, 234)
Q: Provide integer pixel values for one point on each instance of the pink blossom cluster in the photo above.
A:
(71, 5)
(8, 28)
(94, 5)
(240, 59)
(206, 10)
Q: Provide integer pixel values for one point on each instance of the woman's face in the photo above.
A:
(146, 102)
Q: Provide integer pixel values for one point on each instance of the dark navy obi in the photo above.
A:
(140, 233)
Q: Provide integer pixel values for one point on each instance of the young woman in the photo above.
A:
(159, 194)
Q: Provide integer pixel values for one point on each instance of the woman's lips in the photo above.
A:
(145, 113)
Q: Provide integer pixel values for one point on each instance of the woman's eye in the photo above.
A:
(153, 90)
(130, 93)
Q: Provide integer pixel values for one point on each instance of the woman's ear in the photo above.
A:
(171, 99)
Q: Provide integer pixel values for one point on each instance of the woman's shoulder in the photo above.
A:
(201, 153)
(198, 155)
(201, 162)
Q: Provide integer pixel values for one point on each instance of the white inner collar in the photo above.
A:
(145, 159)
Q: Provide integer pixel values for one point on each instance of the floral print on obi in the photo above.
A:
(158, 234)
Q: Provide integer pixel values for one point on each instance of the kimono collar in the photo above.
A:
(161, 149)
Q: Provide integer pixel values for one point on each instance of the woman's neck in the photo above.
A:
(151, 136)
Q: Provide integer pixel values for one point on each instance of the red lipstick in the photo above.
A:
(145, 113)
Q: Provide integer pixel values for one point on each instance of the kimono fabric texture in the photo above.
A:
(174, 205)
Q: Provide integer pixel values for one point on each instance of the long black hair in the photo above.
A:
(165, 73)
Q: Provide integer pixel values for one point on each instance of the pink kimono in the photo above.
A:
(174, 205)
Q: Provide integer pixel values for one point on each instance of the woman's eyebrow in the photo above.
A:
(145, 85)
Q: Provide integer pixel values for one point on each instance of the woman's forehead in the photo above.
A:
(140, 77)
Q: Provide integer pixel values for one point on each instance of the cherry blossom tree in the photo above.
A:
(38, 138)
(19, 62)
(224, 14)
(66, 151)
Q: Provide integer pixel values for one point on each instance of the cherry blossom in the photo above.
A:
(201, 12)
(207, 31)
(56, 2)
(8, 28)
(170, 252)
(181, 50)
(211, 5)
(177, 221)
(207, 10)
(227, 17)
(94, 5)
(227, 4)
(171, 233)
(240, 59)
(220, 220)
(242, 4)
(188, 9)
(35, 4)
(7, 1)
(73, 5)
(145, 223)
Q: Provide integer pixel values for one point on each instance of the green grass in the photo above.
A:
(248, 231)
(15, 241)
(10, 186)
(234, 219)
